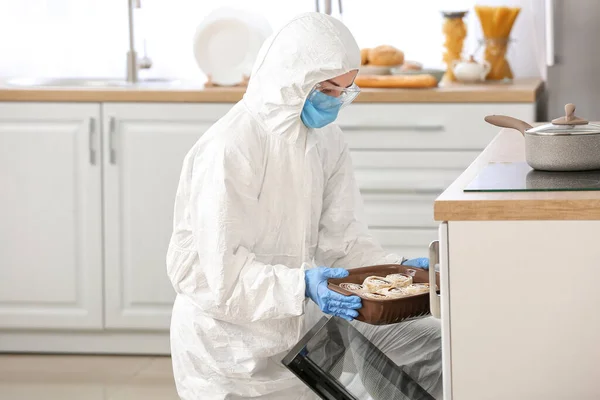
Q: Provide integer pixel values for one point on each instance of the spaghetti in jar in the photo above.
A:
(496, 24)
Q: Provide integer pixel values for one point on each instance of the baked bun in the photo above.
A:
(411, 66)
(374, 283)
(352, 287)
(364, 56)
(400, 280)
(385, 56)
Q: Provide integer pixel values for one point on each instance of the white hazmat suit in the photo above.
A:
(260, 197)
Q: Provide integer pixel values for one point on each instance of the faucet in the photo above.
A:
(133, 64)
(328, 9)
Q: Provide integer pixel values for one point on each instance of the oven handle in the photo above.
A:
(434, 297)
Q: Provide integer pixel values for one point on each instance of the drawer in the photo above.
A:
(409, 171)
(425, 126)
(399, 210)
(409, 243)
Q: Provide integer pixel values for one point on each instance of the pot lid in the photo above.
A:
(570, 124)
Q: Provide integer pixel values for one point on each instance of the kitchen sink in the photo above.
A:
(87, 82)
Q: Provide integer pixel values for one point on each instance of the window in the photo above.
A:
(50, 38)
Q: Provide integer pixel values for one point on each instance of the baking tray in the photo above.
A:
(385, 312)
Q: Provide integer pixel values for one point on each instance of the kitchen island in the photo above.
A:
(520, 299)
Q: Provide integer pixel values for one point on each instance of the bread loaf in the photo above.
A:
(396, 81)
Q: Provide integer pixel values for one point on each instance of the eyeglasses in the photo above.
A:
(341, 95)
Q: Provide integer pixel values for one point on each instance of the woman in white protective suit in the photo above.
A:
(265, 195)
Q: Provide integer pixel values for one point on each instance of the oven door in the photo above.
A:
(338, 363)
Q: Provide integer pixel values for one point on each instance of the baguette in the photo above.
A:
(396, 81)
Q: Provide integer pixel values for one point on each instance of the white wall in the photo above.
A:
(89, 37)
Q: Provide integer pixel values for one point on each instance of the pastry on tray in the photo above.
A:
(417, 288)
(400, 280)
(374, 296)
(374, 283)
(352, 287)
(393, 292)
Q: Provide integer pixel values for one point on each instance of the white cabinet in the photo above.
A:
(144, 148)
(50, 216)
(404, 155)
(522, 310)
(456, 126)
(86, 211)
(87, 198)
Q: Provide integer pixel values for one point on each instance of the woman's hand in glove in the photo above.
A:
(329, 301)
(417, 263)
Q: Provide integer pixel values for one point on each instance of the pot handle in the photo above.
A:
(503, 121)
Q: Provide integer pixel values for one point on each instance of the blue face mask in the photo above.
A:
(320, 110)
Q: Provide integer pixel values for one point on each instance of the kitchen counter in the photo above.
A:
(519, 289)
(521, 91)
(509, 146)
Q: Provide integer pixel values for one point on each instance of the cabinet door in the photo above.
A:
(144, 148)
(50, 213)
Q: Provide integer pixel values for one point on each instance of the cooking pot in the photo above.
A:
(544, 180)
(568, 143)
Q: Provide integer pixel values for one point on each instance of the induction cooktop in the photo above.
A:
(520, 177)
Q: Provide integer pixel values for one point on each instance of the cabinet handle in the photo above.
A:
(434, 259)
(91, 139)
(418, 128)
(111, 140)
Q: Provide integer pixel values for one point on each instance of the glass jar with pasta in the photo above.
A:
(496, 52)
(496, 24)
(455, 32)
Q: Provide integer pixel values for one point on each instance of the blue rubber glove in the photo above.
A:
(330, 302)
(422, 263)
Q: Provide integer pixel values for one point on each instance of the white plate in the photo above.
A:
(226, 44)
(375, 70)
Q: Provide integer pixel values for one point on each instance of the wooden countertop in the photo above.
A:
(509, 146)
(520, 91)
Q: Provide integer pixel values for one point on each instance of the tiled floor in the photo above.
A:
(53, 377)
